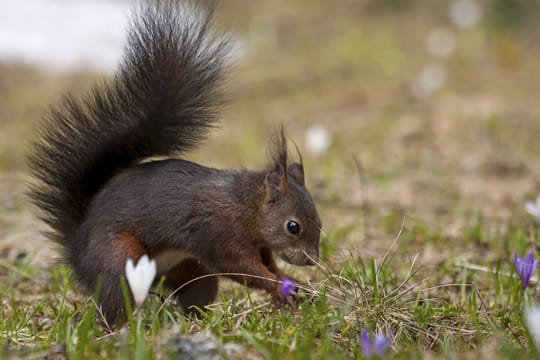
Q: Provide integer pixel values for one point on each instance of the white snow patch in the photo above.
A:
(63, 35)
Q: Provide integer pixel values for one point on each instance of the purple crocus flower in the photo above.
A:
(525, 267)
(376, 348)
(366, 344)
(288, 287)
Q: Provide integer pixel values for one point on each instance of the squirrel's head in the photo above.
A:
(291, 225)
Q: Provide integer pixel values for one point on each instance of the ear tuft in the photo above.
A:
(279, 150)
(277, 182)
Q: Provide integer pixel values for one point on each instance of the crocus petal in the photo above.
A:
(529, 266)
(529, 271)
(519, 264)
(140, 277)
(526, 279)
(525, 267)
(532, 208)
(130, 269)
(288, 287)
(537, 201)
(530, 258)
(366, 344)
(380, 344)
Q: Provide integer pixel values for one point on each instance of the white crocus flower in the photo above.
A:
(533, 208)
(140, 277)
(430, 80)
(318, 140)
(465, 13)
(532, 319)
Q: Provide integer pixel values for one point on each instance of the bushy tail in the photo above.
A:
(162, 100)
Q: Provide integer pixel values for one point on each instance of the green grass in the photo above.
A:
(421, 200)
(477, 304)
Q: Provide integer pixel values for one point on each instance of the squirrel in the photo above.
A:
(106, 198)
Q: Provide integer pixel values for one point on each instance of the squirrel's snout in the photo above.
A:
(300, 257)
(312, 258)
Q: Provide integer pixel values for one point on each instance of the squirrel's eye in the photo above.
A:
(293, 227)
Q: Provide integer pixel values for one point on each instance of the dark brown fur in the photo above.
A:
(105, 206)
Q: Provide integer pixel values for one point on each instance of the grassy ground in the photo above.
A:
(421, 198)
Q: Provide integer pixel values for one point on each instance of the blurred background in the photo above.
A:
(416, 112)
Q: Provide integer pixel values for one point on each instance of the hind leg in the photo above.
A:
(103, 262)
(196, 294)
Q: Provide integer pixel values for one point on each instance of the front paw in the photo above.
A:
(286, 294)
(281, 301)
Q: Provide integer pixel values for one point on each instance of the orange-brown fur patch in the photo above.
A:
(129, 245)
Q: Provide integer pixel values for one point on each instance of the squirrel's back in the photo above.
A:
(162, 101)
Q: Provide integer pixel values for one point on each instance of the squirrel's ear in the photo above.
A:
(296, 171)
(276, 184)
